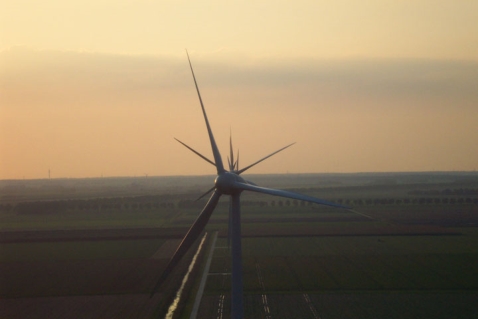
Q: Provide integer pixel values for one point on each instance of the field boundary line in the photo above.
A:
(311, 306)
(265, 302)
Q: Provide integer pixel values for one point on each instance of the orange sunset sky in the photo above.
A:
(100, 88)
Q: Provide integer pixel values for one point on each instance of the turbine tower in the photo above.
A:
(228, 182)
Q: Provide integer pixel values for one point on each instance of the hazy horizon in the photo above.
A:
(101, 88)
(256, 174)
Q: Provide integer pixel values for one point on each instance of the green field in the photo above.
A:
(96, 252)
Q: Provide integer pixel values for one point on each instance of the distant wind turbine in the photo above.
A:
(228, 182)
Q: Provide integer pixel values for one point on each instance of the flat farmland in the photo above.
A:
(354, 263)
(86, 279)
(74, 254)
(351, 277)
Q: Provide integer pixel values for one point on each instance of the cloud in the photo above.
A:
(27, 71)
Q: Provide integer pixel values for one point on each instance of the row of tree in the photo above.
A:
(39, 207)
(51, 207)
(447, 192)
(408, 201)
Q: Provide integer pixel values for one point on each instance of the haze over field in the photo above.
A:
(97, 88)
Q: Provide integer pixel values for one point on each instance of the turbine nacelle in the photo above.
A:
(227, 181)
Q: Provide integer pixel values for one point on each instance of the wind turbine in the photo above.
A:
(228, 182)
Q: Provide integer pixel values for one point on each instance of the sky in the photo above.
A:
(102, 88)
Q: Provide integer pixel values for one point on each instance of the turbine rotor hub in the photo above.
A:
(225, 183)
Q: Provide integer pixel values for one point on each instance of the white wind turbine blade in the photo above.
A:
(197, 153)
(231, 154)
(287, 194)
(215, 150)
(189, 239)
(262, 159)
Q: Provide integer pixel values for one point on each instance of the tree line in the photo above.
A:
(446, 192)
(153, 203)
